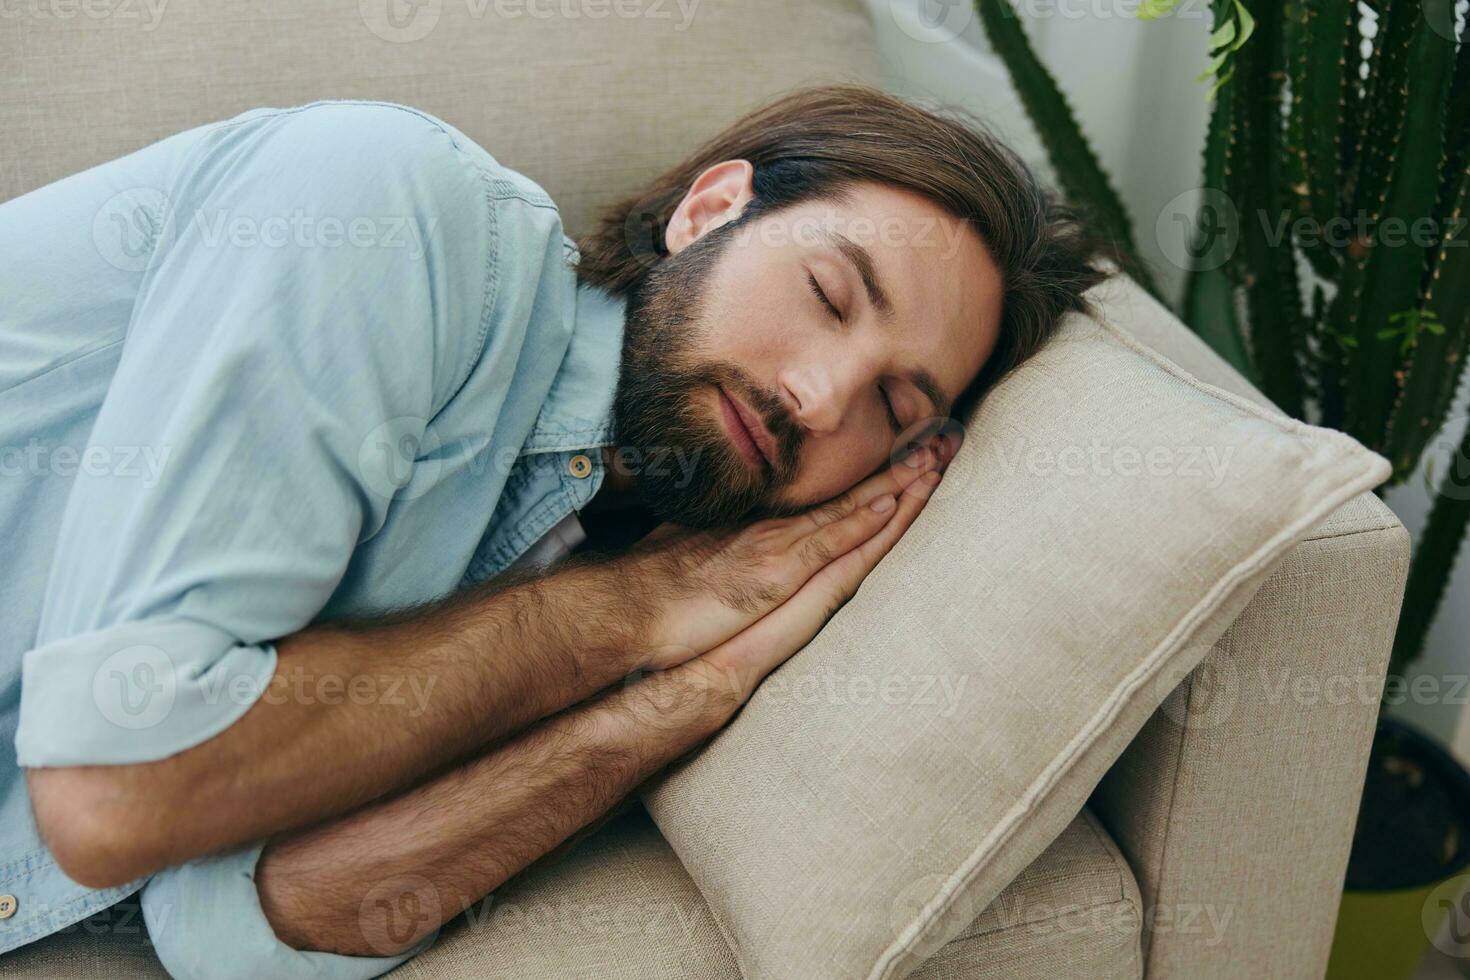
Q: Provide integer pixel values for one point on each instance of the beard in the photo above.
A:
(686, 469)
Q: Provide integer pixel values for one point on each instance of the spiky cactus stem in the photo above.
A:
(1399, 180)
(1434, 559)
(1255, 180)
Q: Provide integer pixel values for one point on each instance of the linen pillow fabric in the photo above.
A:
(1106, 520)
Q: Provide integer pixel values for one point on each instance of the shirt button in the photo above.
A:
(579, 466)
(8, 905)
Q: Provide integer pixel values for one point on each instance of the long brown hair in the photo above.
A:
(815, 142)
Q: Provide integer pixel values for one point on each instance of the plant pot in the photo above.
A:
(1411, 847)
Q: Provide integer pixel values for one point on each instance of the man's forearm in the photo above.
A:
(377, 881)
(353, 712)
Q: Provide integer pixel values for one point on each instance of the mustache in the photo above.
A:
(785, 432)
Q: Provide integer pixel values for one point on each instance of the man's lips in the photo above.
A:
(747, 431)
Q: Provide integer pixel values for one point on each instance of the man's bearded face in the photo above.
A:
(777, 358)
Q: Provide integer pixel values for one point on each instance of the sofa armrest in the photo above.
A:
(1236, 803)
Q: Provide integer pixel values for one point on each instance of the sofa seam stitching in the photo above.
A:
(1376, 529)
(1031, 922)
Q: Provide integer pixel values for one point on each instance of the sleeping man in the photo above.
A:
(304, 414)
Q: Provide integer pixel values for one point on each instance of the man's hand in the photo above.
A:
(699, 589)
(740, 663)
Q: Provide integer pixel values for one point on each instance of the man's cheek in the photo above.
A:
(816, 483)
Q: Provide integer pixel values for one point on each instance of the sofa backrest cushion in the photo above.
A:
(590, 99)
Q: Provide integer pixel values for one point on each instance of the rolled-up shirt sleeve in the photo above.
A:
(316, 288)
(206, 923)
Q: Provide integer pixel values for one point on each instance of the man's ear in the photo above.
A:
(717, 196)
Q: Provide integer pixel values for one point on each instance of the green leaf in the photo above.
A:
(1225, 40)
(1154, 9)
(1411, 323)
(1222, 35)
(1247, 24)
(1218, 83)
(1215, 64)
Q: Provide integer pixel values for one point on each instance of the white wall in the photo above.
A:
(1132, 84)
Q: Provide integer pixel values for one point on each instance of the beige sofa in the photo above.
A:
(1215, 847)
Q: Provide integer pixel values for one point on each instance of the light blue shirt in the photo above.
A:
(300, 364)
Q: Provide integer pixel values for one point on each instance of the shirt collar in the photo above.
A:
(578, 411)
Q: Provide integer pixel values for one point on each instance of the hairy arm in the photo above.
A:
(377, 881)
(352, 712)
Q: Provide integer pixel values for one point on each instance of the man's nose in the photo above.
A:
(819, 395)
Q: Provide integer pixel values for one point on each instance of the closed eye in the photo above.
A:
(821, 295)
(816, 287)
(893, 422)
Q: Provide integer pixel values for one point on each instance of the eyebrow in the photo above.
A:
(862, 261)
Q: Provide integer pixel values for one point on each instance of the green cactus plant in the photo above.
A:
(1348, 163)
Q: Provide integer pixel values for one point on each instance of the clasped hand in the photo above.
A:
(734, 604)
